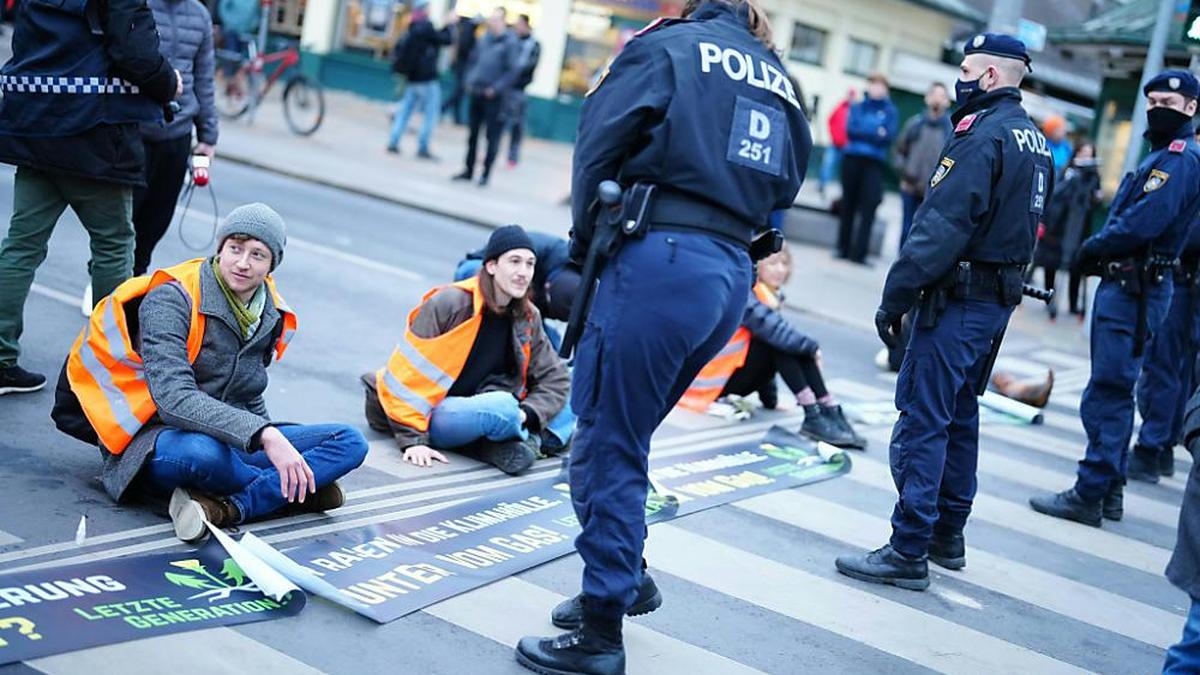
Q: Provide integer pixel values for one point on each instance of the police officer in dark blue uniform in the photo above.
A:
(1167, 378)
(963, 261)
(701, 108)
(1135, 253)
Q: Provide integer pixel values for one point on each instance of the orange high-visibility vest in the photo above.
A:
(710, 382)
(421, 371)
(105, 371)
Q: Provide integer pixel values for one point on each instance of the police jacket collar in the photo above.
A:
(1185, 132)
(987, 100)
(720, 10)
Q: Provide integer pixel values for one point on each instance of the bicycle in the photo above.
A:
(242, 83)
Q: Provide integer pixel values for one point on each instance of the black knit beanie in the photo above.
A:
(505, 239)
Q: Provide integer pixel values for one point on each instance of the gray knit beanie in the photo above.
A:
(259, 221)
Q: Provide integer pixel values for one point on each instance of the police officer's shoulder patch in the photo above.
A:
(1156, 180)
(943, 168)
(964, 125)
(1177, 145)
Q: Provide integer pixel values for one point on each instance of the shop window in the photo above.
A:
(862, 57)
(596, 32)
(287, 17)
(808, 44)
(372, 25)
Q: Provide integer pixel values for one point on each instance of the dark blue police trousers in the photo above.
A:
(935, 443)
(664, 307)
(1107, 404)
(1166, 381)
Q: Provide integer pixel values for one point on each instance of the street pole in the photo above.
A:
(1154, 63)
(1006, 16)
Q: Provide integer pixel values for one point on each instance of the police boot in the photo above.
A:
(569, 613)
(835, 413)
(1166, 462)
(595, 649)
(1113, 507)
(886, 566)
(512, 457)
(1069, 506)
(821, 427)
(1143, 464)
(948, 548)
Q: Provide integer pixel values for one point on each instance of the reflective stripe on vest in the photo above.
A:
(711, 379)
(46, 84)
(421, 371)
(105, 371)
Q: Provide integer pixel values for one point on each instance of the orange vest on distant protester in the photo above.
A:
(421, 371)
(710, 382)
(105, 371)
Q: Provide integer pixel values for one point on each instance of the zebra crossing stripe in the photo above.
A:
(1070, 598)
(841, 608)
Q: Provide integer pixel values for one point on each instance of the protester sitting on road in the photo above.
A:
(555, 279)
(768, 344)
(475, 371)
(189, 421)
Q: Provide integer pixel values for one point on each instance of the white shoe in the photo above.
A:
(86, 306)
(881, 360)
(187, 516)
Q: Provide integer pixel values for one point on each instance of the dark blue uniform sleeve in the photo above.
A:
(1152, 210)
(944, 224)
(771, 327)
(131, 40)
(637, 88)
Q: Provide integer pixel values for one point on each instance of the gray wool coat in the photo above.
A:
(221, 394)
(1184, 568)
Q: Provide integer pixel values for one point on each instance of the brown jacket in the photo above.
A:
(548, 380)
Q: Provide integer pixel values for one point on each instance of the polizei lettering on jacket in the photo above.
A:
(742, 67)
(1031, 140)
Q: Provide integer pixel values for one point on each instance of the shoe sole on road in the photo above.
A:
(21, 390)
(641, 609)
(909, 584)
(1097, 522)
(1151, 478)
(840, 445)
(539, 668)
(1115, 517)
(949, 563)
(187, 516)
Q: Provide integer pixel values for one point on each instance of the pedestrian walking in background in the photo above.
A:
(75, 148)
(492, 71)
(186, 35)
(460, 58)
(918, 149)
(831, 158)
(1055, 129)
(1067, 219)
(870, 128)
(415, 56)
(239, 26)
(529, 52)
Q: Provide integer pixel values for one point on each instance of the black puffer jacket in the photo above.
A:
(767, 324)
(185, 30)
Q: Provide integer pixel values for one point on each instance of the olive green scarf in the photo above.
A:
(247, 315)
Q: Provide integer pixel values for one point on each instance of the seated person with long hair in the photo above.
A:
(475, 371)
(768, 344)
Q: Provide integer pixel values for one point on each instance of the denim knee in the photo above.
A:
(202, 458)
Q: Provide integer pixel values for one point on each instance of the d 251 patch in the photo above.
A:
(942, 170)
(1156, 180)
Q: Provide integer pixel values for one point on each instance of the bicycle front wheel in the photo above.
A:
(303, 105)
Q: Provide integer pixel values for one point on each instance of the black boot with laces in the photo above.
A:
(593, 649)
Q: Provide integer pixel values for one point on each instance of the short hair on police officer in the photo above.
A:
(760, 25)
(1009, 72)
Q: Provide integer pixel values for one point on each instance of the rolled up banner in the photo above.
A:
(1002, 404)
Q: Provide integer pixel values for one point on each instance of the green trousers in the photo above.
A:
(39, 199)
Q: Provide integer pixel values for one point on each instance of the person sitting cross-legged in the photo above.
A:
(475, 371)
(168, 379)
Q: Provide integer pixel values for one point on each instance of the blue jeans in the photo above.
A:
(189, 459)
(910, 202)
(831, 158)
(1183, 658)
(495, 415)
(427, 95)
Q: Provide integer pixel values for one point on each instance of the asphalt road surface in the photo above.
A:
(748, 587)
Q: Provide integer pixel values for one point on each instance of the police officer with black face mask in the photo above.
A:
(697, 120)
(962, 265)
(1135, 254)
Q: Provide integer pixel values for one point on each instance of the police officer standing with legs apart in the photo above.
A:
(698, 122)
(964, 261)
(1135, 254)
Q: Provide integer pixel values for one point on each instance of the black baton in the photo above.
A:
(1046, 296)
(604, 231)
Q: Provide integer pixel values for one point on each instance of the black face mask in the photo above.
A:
(1164, 123)
(965, 90)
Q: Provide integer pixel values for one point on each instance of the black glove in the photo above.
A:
(888, 327)
(1088, 259)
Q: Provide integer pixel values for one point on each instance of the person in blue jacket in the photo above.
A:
(701, 109)
(1135, 253)
(872, 125)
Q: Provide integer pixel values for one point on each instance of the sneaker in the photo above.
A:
(512, 457)
(1113, 506)
(838, 416)
(392, 150)
(821, 427)
(1143, 464)
(424, 153)
(1166, 462)
(464, 176)
(86, 304)
(17, 380)
(948, 548)
(1068, 505)
(568, 614)
(191, 509)
(886, 566)
(483, 180)
(552, 447)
